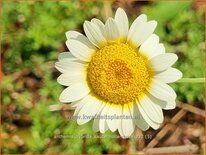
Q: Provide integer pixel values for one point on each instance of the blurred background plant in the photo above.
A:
(34, 34)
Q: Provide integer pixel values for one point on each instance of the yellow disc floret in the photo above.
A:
(118, 74)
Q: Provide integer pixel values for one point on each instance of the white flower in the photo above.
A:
(117, 74)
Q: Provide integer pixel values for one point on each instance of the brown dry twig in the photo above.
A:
(173, 149)
(173, 139)
(57, 107)
(192, 109)
(107, 10)
(140, 144)
(166, 128)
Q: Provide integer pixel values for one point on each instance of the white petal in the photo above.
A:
(170, 105)
(120, 130)
(66, 55)
(79, 104)
(140, 20)
(160, 49)
(74, 92)
(153, 111)
(87, 113)
(152, 41)
(151, 47)
(70, 67)
(163, 104)
(163, 61)
(141, 30)
(66, 79)
(122, 22)
(100, 25)
(112, 32)
(169, 76)
(74, 104)
(95, 125)
(153, 124)
(114, 112)
(98, 22)
(80, 50)
(75, 35)
(162, 91)
(94, 34)
(127, 122)
(102, 122)
(137, 118)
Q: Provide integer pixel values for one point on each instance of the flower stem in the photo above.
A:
(192, 80)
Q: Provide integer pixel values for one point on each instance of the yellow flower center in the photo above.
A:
(118, 74)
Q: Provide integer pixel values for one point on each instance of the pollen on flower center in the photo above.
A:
(118, 74)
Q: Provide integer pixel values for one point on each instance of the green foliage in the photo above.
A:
(9, 87)
(36, 28)
(44, 125)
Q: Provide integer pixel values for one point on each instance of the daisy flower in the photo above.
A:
(118, 75)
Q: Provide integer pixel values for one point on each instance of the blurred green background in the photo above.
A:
(34, 34)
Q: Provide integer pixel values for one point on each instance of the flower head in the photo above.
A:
(118, 75)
